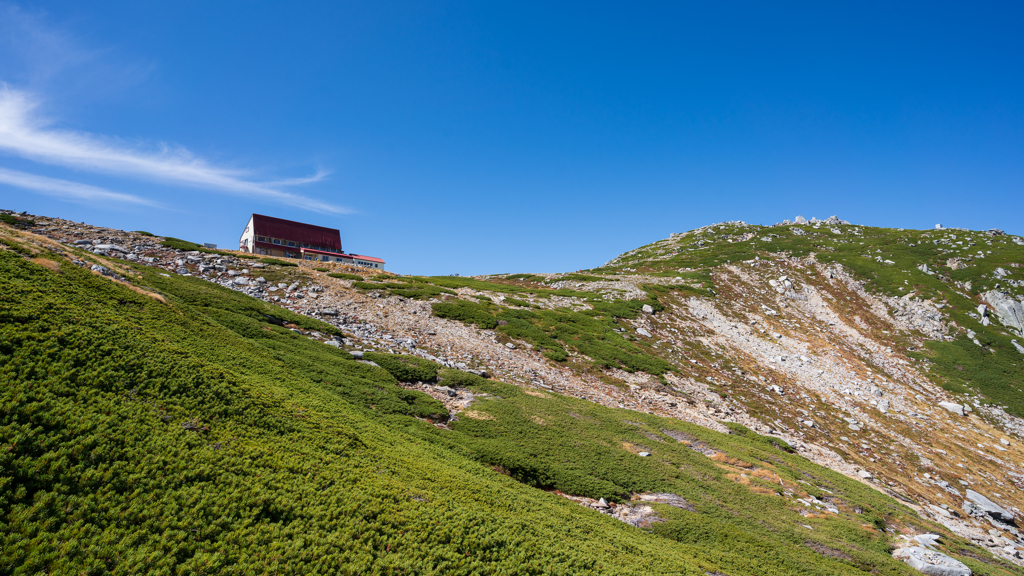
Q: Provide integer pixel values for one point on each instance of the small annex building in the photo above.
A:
(277, 237)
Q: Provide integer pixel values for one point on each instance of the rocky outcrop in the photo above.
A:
(1009, 310)
(978, 503)
(931, 562)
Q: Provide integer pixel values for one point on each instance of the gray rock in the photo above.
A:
(102, 270)
(643, 454)
(928, 540)
(648, 309)
(957, 409)
(510, 346)
(334, 343)
(1009, 311)
(800, 220)
(1017, 346)
(989, 507)
(643, 332)
(357, 354)
(931, 562)
(111, 248)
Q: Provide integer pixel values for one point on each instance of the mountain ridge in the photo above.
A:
(690, 329)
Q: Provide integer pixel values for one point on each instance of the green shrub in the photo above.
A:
(405, 368)
(459, 379)
(467, 312)
(277, 262)
(15, 221)
(178, 244)
(525, 277)
(345, 276)
(743, 431)
(322, 269)
(144, 233)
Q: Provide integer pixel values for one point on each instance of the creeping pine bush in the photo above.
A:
(405, 368)
(467, 312)
(345, 276)
(459, 379)
(278, 262)
(178, 244)
(405, 289)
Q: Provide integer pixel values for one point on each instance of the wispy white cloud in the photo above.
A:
(23, 132)
(68, 189)
(44, 54)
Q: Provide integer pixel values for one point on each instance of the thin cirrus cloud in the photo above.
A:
(68, 189)
(24, 134)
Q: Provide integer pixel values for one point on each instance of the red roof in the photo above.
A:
(296, 231)
(367, 258)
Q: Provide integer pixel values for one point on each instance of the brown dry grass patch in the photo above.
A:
(766, 474)
(536, 393)
(47, 263)
(721, 458)
(476, 415)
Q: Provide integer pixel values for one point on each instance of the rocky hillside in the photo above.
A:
(826, 395)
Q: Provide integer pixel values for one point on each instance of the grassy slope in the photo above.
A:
(198, 436)
(996, 370)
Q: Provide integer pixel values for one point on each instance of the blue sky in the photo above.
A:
(485, 137)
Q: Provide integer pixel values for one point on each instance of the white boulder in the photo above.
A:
(931, 562)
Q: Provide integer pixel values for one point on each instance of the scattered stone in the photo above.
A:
(643, 454)
(643, 332)
(648, 309)
(957, 409)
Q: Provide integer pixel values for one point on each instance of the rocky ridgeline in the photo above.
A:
(793, 348)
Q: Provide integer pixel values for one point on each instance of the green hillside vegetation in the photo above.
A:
(172, 426)
(345, 276)
(431, 287)
(591, 333)
(888, 261)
